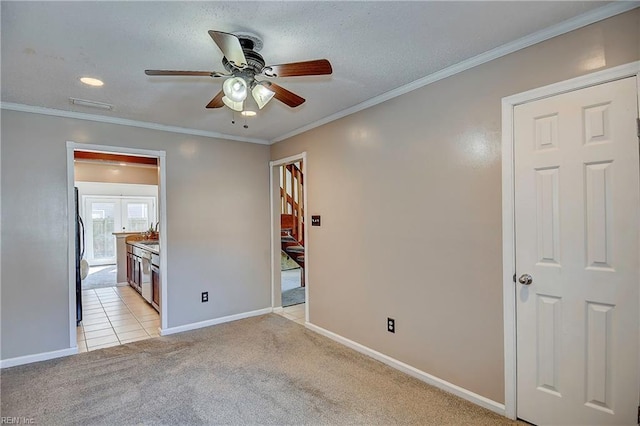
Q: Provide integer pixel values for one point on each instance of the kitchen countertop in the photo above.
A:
(151, 245)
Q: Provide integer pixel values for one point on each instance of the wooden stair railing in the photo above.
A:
(292, 214)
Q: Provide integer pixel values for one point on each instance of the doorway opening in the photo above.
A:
(290, 266)
(116, 253)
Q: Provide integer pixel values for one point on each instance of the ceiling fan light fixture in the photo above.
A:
(243, 65)
(236, 106)
(250, 107)
(262, 95)
(235, 88)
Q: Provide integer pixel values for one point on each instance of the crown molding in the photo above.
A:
(126, 122)
(569, 25)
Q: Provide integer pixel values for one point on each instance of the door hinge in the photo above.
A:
(639, 414)
(638, 123)
(514, 280)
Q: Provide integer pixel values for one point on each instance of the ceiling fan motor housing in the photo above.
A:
(255, 61)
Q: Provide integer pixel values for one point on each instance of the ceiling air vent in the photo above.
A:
(91, 104)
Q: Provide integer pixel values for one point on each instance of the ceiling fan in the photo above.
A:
(244, 64)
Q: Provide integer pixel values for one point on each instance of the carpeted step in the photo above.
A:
(288, 238)
(295, 249)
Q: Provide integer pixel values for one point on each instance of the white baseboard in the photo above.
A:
(414, 372)
(28, 359)
(215, 321)
(278, 309)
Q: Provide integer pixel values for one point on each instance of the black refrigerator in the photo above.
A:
(79, 255)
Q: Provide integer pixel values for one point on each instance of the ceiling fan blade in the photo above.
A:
(297, 69)
(216, 102)
(193, 73)
(285, 96)
(230, 46)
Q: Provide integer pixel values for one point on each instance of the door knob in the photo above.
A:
(525, 279)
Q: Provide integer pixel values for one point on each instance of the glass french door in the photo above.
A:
(106, 215)
(137, 215)
(100, 223)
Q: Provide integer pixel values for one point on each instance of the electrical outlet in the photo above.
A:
(391, 325)
(205, 296)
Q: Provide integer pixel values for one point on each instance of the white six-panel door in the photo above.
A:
(577, 212)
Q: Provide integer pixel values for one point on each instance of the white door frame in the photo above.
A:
(275, 228)
(508, 214)
(162, 204)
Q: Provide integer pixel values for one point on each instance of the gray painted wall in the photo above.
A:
(409, 193)
(217, 225)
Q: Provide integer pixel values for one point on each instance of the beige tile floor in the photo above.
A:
(294, 313)
(115, 315)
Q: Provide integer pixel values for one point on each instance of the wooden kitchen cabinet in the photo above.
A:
(137, 272)
(155, 286)
(130, 266)
(134, 269)
(143, 271)
(155, 281)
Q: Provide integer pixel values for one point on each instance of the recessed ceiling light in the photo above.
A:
(248, 113)
(89, 81)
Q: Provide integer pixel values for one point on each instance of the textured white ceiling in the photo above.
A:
(374, 47)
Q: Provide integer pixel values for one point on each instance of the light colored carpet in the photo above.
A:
(262, 370)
